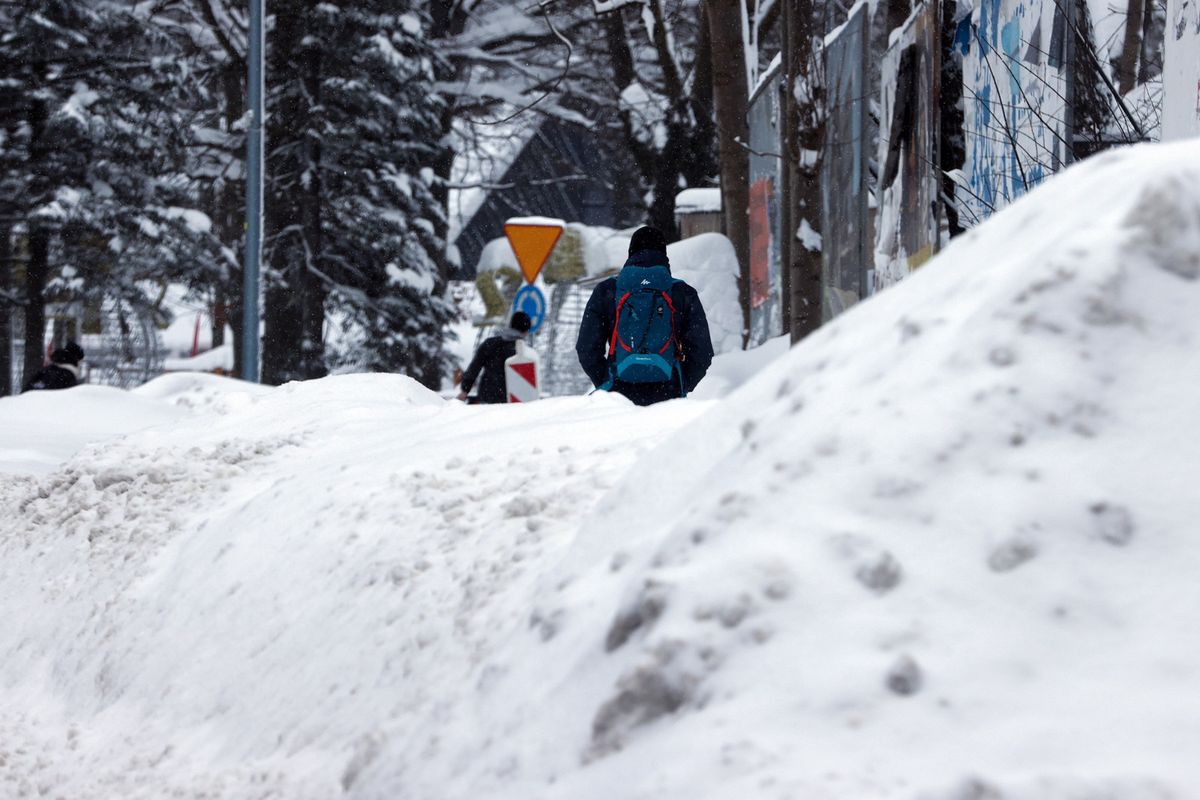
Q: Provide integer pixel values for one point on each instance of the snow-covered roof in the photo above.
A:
(697, 201)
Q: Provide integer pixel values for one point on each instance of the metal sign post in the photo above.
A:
(254, 194)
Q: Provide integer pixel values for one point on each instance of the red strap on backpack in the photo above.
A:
(671, 306)
(612, 345)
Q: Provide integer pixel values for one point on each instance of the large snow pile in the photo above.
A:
(266, 596)
(942, 550)
(945, 549)
(38, 430)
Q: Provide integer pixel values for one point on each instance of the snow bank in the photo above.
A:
(199, 391)
(268, 596)
(39, 430)
(216, 358)
(943, 549)
(735, 367)
(708, 263)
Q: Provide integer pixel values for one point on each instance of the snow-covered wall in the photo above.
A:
(907, 223)
(845, 192)
(1181, 71)
(1014, 87)
(766, 231)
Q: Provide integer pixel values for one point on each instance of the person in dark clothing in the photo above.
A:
(489, 359)
(61, 373)
(598, 337)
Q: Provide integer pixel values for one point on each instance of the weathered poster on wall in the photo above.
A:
(845, 190)
(1181, 70)
(1014, 101)
(766, 289)
(760, 241)
(909, 205)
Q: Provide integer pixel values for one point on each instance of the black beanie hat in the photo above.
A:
(71, 354)
(520, 322)
(647, 238)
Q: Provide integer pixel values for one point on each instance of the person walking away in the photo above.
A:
(644, 333)
(61, 373)
(488, 364)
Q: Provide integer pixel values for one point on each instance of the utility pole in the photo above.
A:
(254, 194)
(731, 98)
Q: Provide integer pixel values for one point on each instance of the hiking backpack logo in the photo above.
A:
(644, 343)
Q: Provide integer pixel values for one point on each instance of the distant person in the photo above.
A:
(644, 333)
(62, 372)
(488, 364)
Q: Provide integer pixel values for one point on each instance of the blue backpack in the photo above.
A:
(644, 343)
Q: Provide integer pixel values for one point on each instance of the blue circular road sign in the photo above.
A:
(531, 300)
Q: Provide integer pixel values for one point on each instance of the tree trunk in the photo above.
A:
(804, 124)
(37, 273)
(219, 317)
(731, 97)
(37, 268)
(1127, 63)
(6, 273)
(293, 348)
(312, 325)
(700, 164)
(231, 223)
(1151, 51)
(670, 162)
(787, 182)
(950, 114)
(447, 19)
(897, 13)
(283, 296)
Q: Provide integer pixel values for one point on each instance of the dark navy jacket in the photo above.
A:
(489, 360)
(53, 376)
(595, 333)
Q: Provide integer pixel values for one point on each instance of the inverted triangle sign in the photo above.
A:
(532, 245)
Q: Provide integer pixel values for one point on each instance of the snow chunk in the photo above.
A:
(421, 281)
(549, 222)
(197, 221)
(693, 201)
(809, 238)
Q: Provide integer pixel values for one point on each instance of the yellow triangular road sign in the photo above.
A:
(532, 242)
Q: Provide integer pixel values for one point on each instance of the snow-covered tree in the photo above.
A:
(636, 73)
(91, 154)
(352, 223)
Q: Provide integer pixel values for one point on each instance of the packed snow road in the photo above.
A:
(945, 549)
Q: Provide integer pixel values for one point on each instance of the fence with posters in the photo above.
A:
(766, 285)
(1181, 71)
(1014, 101)
(909, 205)
(845, 221)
